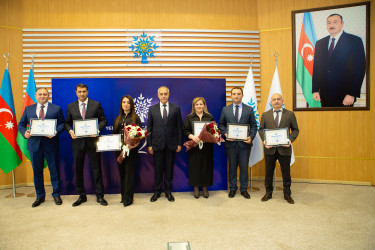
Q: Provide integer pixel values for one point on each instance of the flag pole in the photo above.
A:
(276, 55)
(251, 168)
(15, 194)
(32, 66)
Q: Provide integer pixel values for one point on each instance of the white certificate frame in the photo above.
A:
(238, 132)
(109, 143)
(197, 127)
(276, 137)
(86, 127)
(42, 127)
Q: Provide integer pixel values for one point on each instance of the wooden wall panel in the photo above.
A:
(332, 145)
(128, 14)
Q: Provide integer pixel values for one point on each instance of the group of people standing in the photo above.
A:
(164, 124)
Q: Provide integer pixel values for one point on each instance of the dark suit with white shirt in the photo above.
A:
(84, 145)
(339, 74)
(41, 147)
(164, 139)
(238, 152)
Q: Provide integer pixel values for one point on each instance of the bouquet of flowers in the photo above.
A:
(210, 133)
(133, 134)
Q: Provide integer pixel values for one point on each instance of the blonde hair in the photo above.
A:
(195, 100)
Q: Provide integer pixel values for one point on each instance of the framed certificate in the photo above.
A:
(276, 137)
(109, 143)
(238, 132)
(42, 127)
(85, 128)
(197, 127)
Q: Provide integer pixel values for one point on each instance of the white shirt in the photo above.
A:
(239, 110)
(80, 105)
(38, 106)
(280, 114)
(337, 37)
(162, 109)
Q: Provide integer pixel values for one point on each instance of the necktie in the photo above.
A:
(236, 114)
(165, 114)
(331, 46)
(41, 112)
(83, 110)
(277, 118)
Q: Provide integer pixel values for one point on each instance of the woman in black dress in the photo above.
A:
(127, 167)
(201, 162)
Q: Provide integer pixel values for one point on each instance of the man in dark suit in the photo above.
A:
(278, 117)
(85, 108)
(165, 125)
(238, 152)
(339, 66)
(41, 147)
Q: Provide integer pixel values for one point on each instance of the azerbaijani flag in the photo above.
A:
(10, 153)
(305, 60)
(29, 100)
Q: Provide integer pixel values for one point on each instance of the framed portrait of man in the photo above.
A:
(331, 58)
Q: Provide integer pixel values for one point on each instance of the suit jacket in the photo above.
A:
(288, 120)
(162, 135)
(33, 143)
(247, 117)
(94, 110)
(341, 74)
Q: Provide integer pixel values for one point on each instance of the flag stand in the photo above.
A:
(14, 195)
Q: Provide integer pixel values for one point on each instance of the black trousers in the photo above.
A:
(164, 162)
(284, 161)
(95, 159)
(127, 170)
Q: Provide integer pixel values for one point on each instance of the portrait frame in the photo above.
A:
(356, 18)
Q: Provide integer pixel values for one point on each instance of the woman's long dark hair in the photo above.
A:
(122, 113)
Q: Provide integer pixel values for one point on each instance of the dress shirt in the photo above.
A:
(337, 37)
(280, 114)
(239, 110)
(162, 108)
(38, 109)
(81, 106)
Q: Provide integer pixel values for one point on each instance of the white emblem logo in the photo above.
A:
(142, 105)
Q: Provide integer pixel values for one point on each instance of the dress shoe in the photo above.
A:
(169, 197)
(245, 194)
(127, 203)
(196, 192)
(155, 197)
(37, 202)
(232, 194)
(101, 201)
(288, 198)
(81, 199)
(57, 200)
(266, 197)
(205, 192)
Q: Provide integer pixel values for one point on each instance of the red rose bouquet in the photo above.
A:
(133, 134)
(210, 134)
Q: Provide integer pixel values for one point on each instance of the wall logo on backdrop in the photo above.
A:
(142, 105)
(143, 46)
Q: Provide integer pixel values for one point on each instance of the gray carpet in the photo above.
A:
(325, 216)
